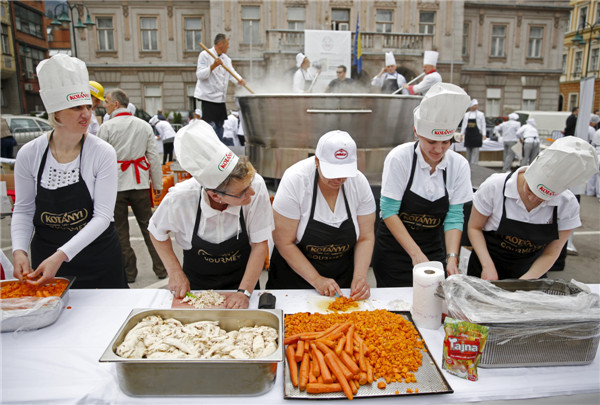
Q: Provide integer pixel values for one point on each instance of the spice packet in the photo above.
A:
(463, 345)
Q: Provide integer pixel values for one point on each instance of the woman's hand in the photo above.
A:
(179, 284)
(47, 269)
(237, 300)
(327, 286)
(489, 273)
(359, 289)
(419, 258)
(452, 266)
(21, 264)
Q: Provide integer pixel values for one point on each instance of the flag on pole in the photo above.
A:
(357, 49)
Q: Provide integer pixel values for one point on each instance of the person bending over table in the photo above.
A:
(324, 218)
(520, 221)
(423, 189)
(66, 188)
(222, 218)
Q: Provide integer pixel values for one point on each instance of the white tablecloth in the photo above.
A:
(59, 364)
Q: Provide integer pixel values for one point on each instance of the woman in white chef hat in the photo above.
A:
(222, 218)
(520, 221)
(66, 188)
(303, 77)
(324, 219)
(424, 187)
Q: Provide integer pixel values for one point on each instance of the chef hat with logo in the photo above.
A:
(440, 111)
(513, 116)
(430, 58)
(389, 59)
(336, 151)
(64, 83)
(299, 59)
(201, 153)
(568, 162)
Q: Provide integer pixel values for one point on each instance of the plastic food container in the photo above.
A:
(190, 377)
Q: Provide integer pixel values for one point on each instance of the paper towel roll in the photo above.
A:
(427, 308)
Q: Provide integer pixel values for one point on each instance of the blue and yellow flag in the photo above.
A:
(357, 49)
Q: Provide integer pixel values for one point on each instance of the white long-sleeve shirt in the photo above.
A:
(480, 119)
(165, 130)
(99, 171)
(300, 78)
(94, 125)
(528, 133)
(508, 129)
(212, 86)
(423, 87)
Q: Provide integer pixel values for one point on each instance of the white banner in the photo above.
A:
(586, 101)
(329, 49)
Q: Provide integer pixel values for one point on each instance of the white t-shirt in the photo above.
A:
(488, 201)
(294, 198)
(396, 173)
(99, 171)
(177, 214)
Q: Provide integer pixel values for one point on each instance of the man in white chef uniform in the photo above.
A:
(389, 80)
(303, 77)
(431, 75)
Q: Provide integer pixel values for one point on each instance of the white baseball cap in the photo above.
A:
(299, 59)
(440, 111)
(389, 59)
(198, 111)
(201, 153)
(430, 58)
(336, 151)
(64, 83)
(568, 162)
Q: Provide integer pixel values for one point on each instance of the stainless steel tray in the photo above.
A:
(430, 380)
(190, 377)
(37, 319)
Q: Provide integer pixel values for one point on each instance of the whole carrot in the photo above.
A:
(318, 388)
(354, 369)
(335, 368)
(340, 346)
(322, 365)
(303, 379)
(315, 362)
(300, 351)
(350, 340)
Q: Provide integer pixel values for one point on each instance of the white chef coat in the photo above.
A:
(295, 192)
(230, 129)
(165, 130)
(396, 172)
(212, 86)
(400, 79)
(94, 126)
(300, 78)
(509, 130)
(177, 214)
(488, 201)
(480, 119)
(528, 133)
(595, 141)
(423, 87)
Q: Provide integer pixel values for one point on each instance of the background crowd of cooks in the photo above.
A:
(73, 190)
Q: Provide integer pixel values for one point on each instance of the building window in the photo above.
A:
(465, 41)
(427, 22)
(582, 18)
(498, 40)
(28, 21)
(594, 60)
(149, 33)
(384, 21)
(340, 19)
(30, 57)
(152, 99)
(529, 99)
(190, 89)
(564, 64)
(492, 102)
(193, 33)
(296, 16)
(573, 99)
(536, 35)
(105, 32)
(577, 64)
(5, 41)
(251, 25)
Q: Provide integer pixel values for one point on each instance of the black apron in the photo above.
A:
(217, 266)
(473, 138)
(330, 250)
(59, 215)
(424, 221)
(390, 85)
(515, 245)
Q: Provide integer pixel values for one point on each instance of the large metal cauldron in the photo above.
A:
(283, 129)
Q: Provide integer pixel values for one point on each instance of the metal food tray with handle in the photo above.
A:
(430, 380)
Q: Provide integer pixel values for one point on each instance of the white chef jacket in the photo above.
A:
(93, 127)
(177, 214)
(528, 133)
(98, 168)
(300, 77)
(212, 86)
(230, 129)
(423, 87)
(488, 201)
(508, 129)
(480, 119)
(295, 192)
(400, 79)
(165, 130)
(396, 172)
(595, 141)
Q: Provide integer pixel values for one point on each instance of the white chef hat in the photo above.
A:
(153, 120)
(430, 58)
(513, 116)
(299, 59)
(201, 153)
(389, 59)
(531, 121)
(473, 102)
(568, 162)
(64, 83)
(198, 111)
(131, 108)
(440, 111)
(336, 151)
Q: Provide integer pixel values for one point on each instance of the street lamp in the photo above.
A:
(64, 20)
(578, 40)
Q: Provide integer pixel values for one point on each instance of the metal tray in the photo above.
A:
(40, 318)
(430, 380)
(191, 377)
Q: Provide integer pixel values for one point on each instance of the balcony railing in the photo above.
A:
(407, 44)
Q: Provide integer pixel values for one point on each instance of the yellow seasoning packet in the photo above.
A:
(463, 345)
